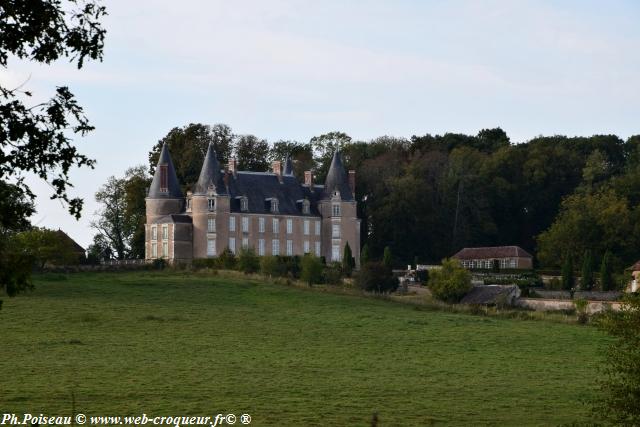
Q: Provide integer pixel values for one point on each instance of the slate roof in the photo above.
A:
(210, 174)
(337, 179)
(74, 245)
(492, 252)
(173, 186)
(173, 219)
(489, 294)
(258, 187)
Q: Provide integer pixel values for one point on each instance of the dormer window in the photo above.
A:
(189, 204)
(244, 204)
(274, 205)
(164, 179)
(211, 204)
(306, 207)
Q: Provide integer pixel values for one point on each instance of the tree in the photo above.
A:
(387, 258)
(188, 146)
(364, 255)
(567, 273)
(248, 261)
(376, 277)
(122, 215)
(587, 271)
(323, 148)
(45, 246)
(311, 269)
(37, 138)
(451, 282)
(227, 260)
(621, 384)
(136, 185)
(606, 273)
(252, 153)
(270, 266)
(348, 262)
(300, 154)
(99, 249)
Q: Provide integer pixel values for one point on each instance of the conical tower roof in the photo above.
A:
(169, 189)
(337, 179)
(288, 166)
(210, 173)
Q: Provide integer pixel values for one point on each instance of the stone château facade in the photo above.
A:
(270, 212)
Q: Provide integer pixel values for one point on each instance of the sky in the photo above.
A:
(294, 69)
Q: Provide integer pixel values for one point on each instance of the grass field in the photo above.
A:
(174, 344)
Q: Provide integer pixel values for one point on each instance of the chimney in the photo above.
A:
(352, 182)
(276, 166)
(233, 165)
(308, 179)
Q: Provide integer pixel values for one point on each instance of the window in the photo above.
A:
(317, 228)
(211, 225)
(336, 209)
(504, 263)
(154, 250)
(261, 225)
(232, 244)
(335, 231)
(275, 247)
(289, 226)
(306, 207)
(244, 204)
(512, 263)
(165, 249)
(211, 247)
(335, 253)
(245, 224)
(154, 233)
(487, 263)
(317, 248)
(275, 225)
(211, 204)
(306, 227)
(245, 243)
(306, 247)
(274, 205)
(289, 247)
(189, 204)
(165, 232)
(232, 223)
(261, 247)
(164, 179)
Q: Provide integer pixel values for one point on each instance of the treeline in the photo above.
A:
(429, 196)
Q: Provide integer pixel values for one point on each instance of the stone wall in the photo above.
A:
(540, 304)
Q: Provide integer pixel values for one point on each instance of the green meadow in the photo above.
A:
(195, 344)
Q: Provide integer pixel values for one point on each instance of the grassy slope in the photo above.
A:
(167, 344)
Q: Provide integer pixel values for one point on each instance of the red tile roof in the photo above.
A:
(493, 252)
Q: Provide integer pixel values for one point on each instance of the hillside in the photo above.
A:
(174, 344)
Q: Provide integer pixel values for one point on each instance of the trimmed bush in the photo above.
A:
(311, 269)
(227, 260)
(248, 261)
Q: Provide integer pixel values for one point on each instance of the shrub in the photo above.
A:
(311, 269)
(269, 266)
(248, 261)
(581, 310)
(387, 258)
(554, 284)
(333, 274)
(451, 282)
(622, 378)
(422, 276)
(199, 263)
(364, 255)
(226, 260)
(586, 282)
(376, 277)
(159, 264)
